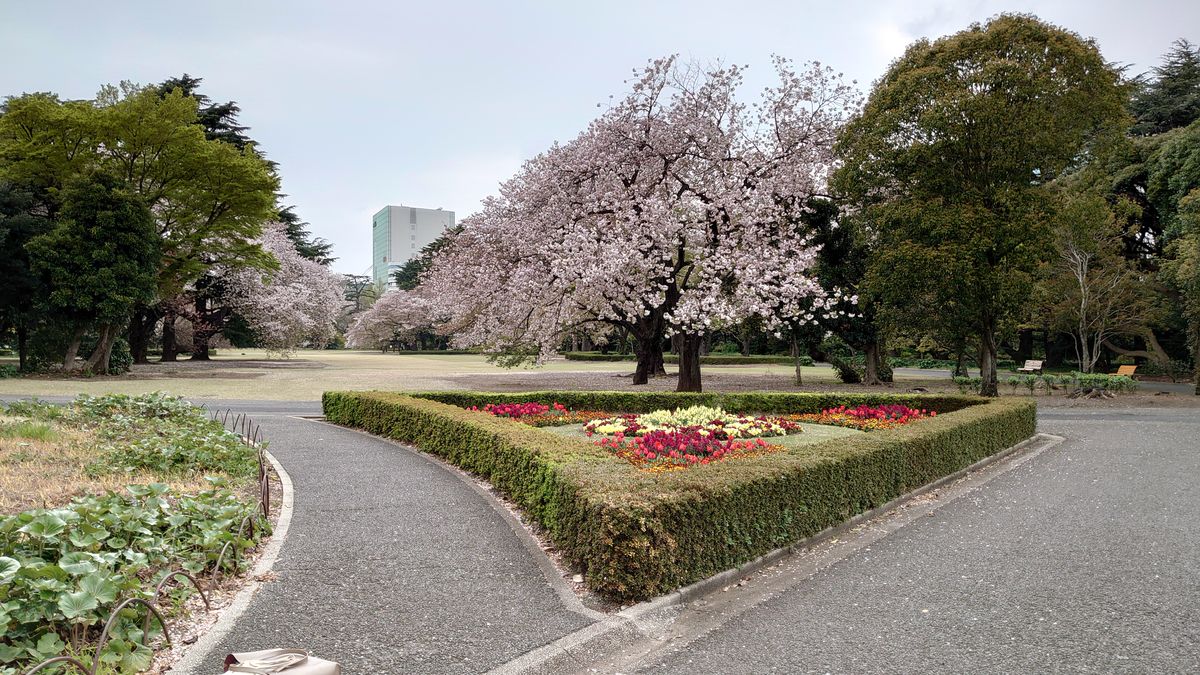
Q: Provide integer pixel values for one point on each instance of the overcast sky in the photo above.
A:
(434, 103)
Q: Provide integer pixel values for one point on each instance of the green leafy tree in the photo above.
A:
(98, 262)
(220, 123)
(1183, 272)
(19, 286)
(1171, 98)
(950, 159)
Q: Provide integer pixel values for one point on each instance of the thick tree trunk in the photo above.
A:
(98, 361)
(72, 350)
(871, 364)
(689, 363)
(208, 324)
(987, 362)
(200, 347)
(649, 358)
(141, 329)
(170, 350)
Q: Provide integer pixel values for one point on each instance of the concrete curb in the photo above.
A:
(192, 660)
(632, 623)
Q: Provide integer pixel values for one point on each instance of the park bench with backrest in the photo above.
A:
(1127, 371)
(1031, 366)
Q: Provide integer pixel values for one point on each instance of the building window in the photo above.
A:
(412, 216)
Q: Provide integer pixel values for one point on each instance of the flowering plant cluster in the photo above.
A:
(666, 450)
(540, 415)
(518, 410)
(866, 418)
(704, 421)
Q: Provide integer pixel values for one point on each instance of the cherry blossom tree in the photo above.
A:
(297, 304)
(673, 213)
(398, 315)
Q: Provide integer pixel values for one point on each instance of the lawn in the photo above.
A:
(251, 374)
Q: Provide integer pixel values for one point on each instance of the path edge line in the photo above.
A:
(191, 661)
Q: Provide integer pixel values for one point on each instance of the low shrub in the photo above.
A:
(638, 535)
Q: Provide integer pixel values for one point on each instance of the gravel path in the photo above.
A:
(1085, 559)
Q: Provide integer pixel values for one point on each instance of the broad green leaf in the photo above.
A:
(99, 586)
(50, 645)
(77, 604)
(46, 526)
(8, 569)
(77, 563)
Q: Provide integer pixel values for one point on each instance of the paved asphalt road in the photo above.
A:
(1085, 559)
(392, 563)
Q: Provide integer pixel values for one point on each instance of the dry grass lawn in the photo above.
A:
(254, 375)
(43, 465)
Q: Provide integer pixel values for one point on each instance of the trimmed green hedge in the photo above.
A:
(709, 360)
(639, 535)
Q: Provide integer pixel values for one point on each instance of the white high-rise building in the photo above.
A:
(399, 233)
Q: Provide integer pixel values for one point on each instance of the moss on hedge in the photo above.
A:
(639, 535)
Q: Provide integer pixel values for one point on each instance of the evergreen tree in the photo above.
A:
(1172, 98)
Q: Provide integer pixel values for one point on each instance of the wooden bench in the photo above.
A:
(1128, 371)
(1031, 367)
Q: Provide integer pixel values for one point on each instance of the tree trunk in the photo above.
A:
(658, 367)
(987, 362)
(871, 363)
(72, 350)
(141, 328)
(643, 347)
(1153, 351)
(960, 359)
(200, 347)
(98, 361)
(689, 363)
(1024, 350)
(170, 350)
(796, 356)
(22, 347)
(208, 323)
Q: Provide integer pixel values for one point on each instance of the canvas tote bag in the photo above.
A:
(289, 661)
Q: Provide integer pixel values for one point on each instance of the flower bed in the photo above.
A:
(665, 440)
(636, 535)
(866, 418)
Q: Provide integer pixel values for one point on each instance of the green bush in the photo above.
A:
(638, 535)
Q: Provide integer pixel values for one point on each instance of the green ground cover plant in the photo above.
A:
(64, 568)
(637, 535)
